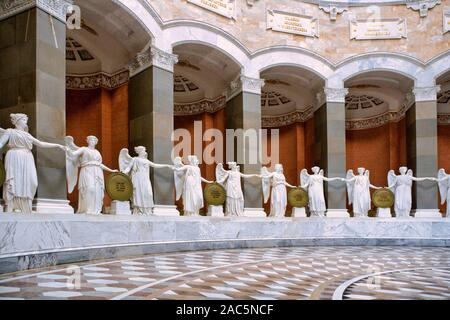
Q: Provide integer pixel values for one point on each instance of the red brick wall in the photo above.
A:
(103, 113)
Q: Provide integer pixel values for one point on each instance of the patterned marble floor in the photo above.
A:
(276, 273)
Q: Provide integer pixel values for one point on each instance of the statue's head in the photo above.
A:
(92, 141)
(177, 161)
(142, 151)
(233, 166)
(279, 168)
(193, 160)
(20, 120)
(403, 170)
(315, 169)
(361, 170)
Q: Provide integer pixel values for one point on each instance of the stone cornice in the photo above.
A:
(56, 8)
(422, 6)
(96, 80)
(426, 93)
(205, 105)
(152, 56)
(287, 119)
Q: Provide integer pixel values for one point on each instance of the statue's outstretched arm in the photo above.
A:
(105, 168)
(4, 139)
(160, 166)
(47, 145)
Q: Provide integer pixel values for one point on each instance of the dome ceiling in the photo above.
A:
(273, 99)
(76, 52)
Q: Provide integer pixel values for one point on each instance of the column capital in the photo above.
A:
(422, 94)
(56, 8)
(335, 94)
(152, 56)
(244, 84)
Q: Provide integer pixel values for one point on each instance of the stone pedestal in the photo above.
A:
(299, 213)
(165, 211)
(426, 213)
(120, 208)
(338, 213)
(215, 211)
(384, 213)
(52, 206)
(254, 213)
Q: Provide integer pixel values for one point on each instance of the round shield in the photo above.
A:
(383, 198)
(2, 173)
(298, 198)
(215, 194)
(119, 187)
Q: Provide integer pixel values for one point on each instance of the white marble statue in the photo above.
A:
(21, 180)
(444, 189)
(358, 188)
(278, 196)
(138, 168)
(188, 184)
(231, 181)
(91, 185)
(401, 185)
(314, 184)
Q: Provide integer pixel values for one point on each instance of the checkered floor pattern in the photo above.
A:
(249, 274)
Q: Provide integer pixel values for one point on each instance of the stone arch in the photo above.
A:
(396, 63)
(292, 56)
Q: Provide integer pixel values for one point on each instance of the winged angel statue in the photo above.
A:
(188, 184)
(91, 185)
(444, 189)
(231, 181)
(401, 185)
(314, 184)
(278, 197)
(358, 189)
(21, 180)
(138, 168)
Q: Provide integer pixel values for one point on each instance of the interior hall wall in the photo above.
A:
(208, 121)
(444, 153)
(104, 114)
(378, 150)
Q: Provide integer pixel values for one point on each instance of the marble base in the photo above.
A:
(52, 206)
(384, 213)
(338, 213)
(427, 213)
(120, 208)
(165, 211)
(30, 241)
(215, 211)
(299, 213)
(254, 213)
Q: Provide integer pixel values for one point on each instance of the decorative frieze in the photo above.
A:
(287, 119)
(226, 8)
(292, 23)
(152, 57)
(97, 80)
(209, 106)
(426, 93)
(335, 94)
(444, 119)
(57, 8)
(446, 20)
(422, 6)
(333, 10)
(378, 29)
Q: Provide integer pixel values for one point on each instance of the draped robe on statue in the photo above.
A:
(231, 180)
(359, 193)
(21, 181)
(403, 192)
(91, 185)
(188, 179)
(278, 200)
(142, 187)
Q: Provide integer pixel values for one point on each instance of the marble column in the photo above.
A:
(32, 81)
(243, 111)
(421, 121)
(330, 148)
(151, 119)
